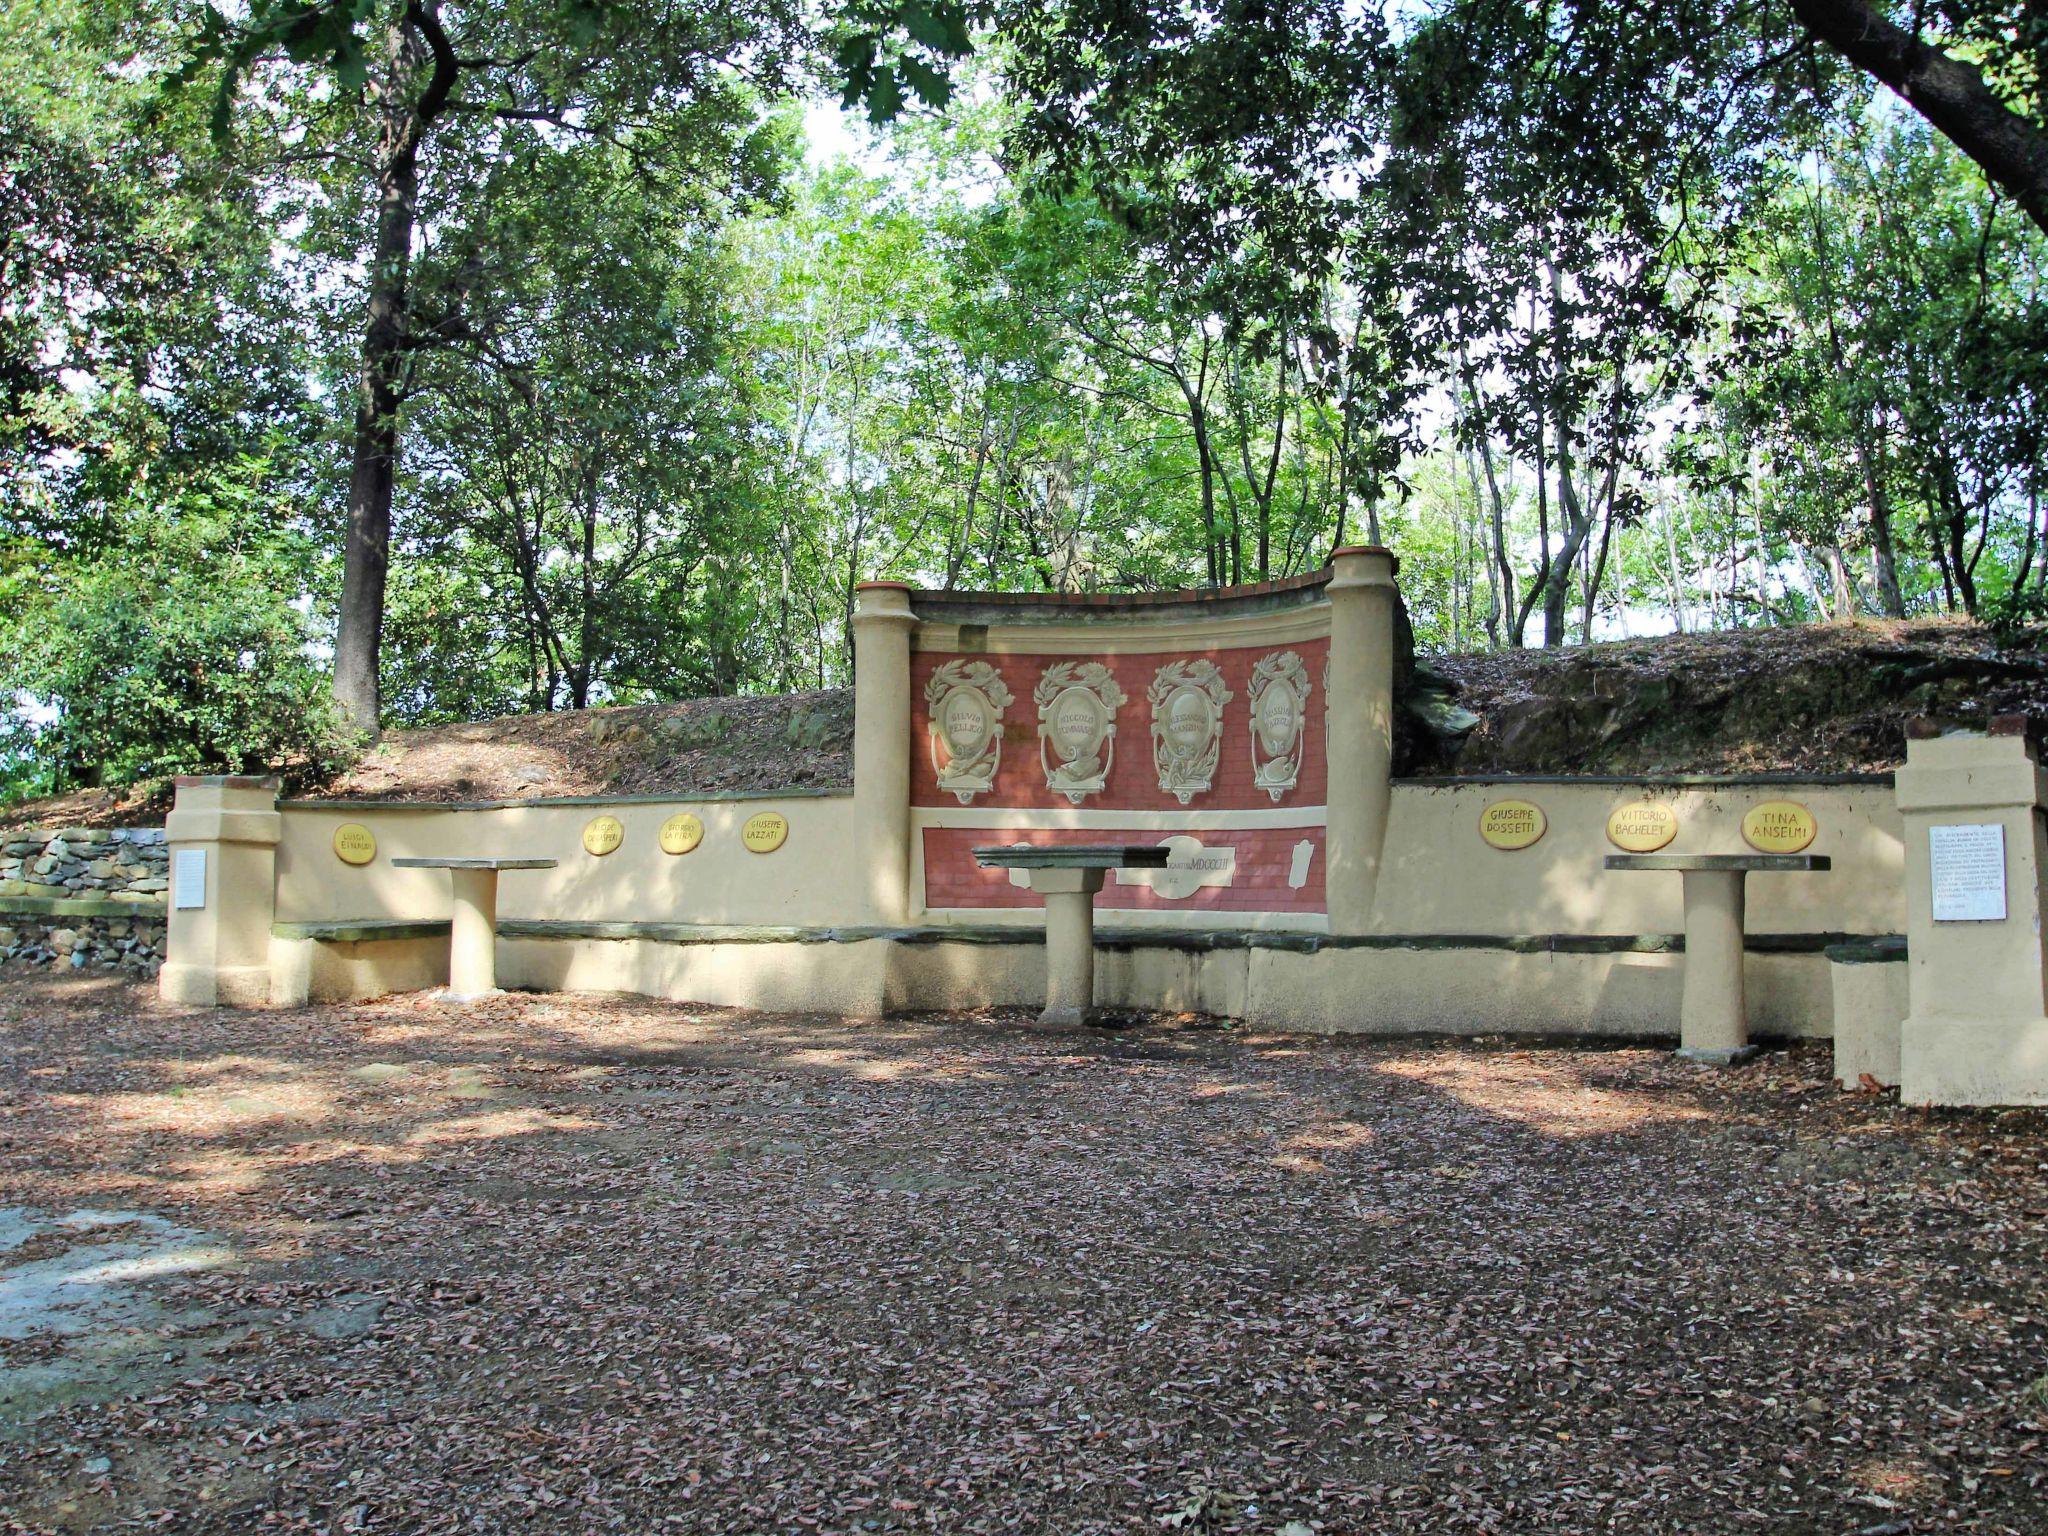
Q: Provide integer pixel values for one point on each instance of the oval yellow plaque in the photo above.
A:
(1642, 827)
(1512, 824)
(603, 835)
(354, 843)
(681, 833)
(1779, 826)
(766, 832)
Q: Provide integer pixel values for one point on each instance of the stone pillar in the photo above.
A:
(219, 953)
(473, 933)
(1359, 740)
(882, 622)
(1069, 944)
(1713, 1021)
(1976, 1027)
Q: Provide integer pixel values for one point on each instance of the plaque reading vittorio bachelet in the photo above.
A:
(1967, 867)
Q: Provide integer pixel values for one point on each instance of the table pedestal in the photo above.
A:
(473, 933)
(1713, 1023)
(1069, 944)
(1713, 1016)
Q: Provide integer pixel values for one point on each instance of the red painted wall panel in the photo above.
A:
(1264, 858)
(1133, 781)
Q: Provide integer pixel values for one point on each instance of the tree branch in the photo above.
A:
(1952, 95)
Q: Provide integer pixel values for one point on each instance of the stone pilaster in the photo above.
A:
(1360, 736)
(882, 622)
(219, 952)
(1976, 1028)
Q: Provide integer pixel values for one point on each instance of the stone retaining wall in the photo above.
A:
(84, 897)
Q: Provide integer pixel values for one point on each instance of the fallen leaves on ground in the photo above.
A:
(575, 1264)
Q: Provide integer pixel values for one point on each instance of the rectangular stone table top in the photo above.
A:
(474, 863)
(1075, 856)
(1726, 863)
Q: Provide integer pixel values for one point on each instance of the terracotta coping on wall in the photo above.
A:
(970, 607)
(883, 586)
(1299, 583)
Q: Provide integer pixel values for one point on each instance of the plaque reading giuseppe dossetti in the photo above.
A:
(765, 832)
(1779, 826)
(1512, 824)
(603, 835)
(681, 833)
(354, 843)
(1642, 827)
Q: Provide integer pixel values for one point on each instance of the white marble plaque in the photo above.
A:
(1967, 864)
(1190, 867)
(188, 878)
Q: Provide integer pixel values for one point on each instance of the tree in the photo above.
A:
(206, 667)
(591, 453)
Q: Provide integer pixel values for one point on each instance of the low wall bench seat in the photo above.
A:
(473, 932)
(1068, 878)
(1713, 1017)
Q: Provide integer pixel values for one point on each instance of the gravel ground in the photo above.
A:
(575, 1264)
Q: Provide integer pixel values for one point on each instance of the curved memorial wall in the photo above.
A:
(1247, 730)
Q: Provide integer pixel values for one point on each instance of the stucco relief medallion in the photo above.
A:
(1077, 704)
(965, 701)
(1279, 696)
(1187, 699)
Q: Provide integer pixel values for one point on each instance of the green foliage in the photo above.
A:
(1607, 321)
(179, 652)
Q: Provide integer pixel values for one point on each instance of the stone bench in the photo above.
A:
(1713, 1019)
(473, 930)
(1068, 878)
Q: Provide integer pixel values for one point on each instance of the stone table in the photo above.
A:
(1713, 1019)
(1068, 877)
(473, 932)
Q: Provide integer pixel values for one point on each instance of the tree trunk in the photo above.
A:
(373, 464)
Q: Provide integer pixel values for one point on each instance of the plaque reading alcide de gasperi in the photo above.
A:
(602, 835)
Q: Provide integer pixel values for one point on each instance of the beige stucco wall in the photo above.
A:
(807, 881)
(1439, 877)
(836, 978)
(310, 970)
(1869, 1008)
(1338, 990)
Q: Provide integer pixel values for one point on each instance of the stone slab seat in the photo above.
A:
(473, 932)
(1713, 1019)
(1068, 876)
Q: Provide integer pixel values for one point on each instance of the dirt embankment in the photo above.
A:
(1831, 698)
(1812, 699)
